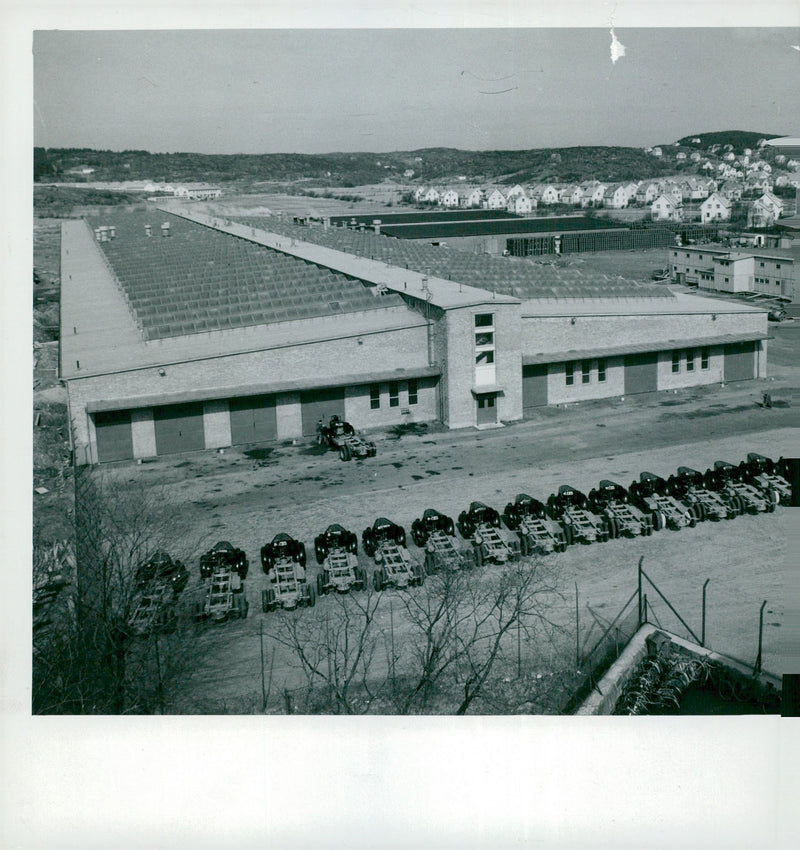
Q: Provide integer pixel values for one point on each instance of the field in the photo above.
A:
(247, 497)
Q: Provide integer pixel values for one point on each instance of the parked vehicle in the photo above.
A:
(727, 478)
(160, 567)
(224, 597)
(571, 508)
(651, 495)
(689, 487)
(343, 437)
(537, 532)
(611, 501)
(481, 526)
(287, 588)
(283, 546)
(385, 542)
(765, 473)
(336, 550)
(435, 533)
(226, 555)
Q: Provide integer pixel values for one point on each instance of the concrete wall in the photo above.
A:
(359, 412)
(558, 334)
(559, 393)
(669, 380)
(405, 348)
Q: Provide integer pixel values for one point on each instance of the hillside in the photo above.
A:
(740, 139)
(342, 169)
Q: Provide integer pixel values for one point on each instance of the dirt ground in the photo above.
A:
(248, 496)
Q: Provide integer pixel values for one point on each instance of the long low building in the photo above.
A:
(181, 332)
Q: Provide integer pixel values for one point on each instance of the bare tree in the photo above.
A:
(459, 625)
(334, 645)
(91, 660)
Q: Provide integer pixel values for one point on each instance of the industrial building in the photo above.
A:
(770, 271)
(183, 332)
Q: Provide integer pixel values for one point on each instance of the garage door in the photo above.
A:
(641, 373)
(740, 361)
(253, 420)
(534, 386)
(179, 428)
(321, 404)
(114, 438)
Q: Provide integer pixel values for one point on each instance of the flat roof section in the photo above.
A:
(453, 215)
(638, 348)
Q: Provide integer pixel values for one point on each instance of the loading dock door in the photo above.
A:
(487, 409)
(320, 404)
(114, 437)
(253, 419)
(179, 428)
(740, 361)
(534, 387)
(641, 373)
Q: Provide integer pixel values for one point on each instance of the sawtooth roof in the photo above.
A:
(198, 279)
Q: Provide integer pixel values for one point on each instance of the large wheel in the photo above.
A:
(242, 606)
(401, 537)
(419, 574)
(430, 563)
(319, 550)
(344, 452)
(772, 499)
(418, 533)
(368, 542)
(524, 545)
(702, 513)
(450, 527)
(494, 519)
(658, 520)
(361, 578)
(478, 556)
(320, 584)
(377, 580)
(311, 596)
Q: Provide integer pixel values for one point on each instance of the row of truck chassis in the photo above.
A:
(526, 527)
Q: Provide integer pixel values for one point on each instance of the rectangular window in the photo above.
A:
(412, 391)
(374, 396)
(690, 360)
(484, 357)
(586, 371)
(676, 361)
(394, 394)
(482, 339)
(601, 371)
(484, 320)
(569, 373)
(704, 358)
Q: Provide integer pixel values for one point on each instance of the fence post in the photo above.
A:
(639, 570)
(263, 686)
(757, 668)
(644, 609)
(703, 632)
(577, 631)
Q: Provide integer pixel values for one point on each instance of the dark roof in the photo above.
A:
(421, 217)
(498, 227)
(199, 279)
(519, 278)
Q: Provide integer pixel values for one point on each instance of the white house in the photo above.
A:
(474, 198)
(675, 192)
(520, 204)
(545, 193)
(514, 191)
(615, 196)
(761, 214)
(696, 156)
(658, 152)
(449, 198)
(730, 156)
(630, 190)
(419, 193)
(647, 192)
(571, 194)
(776, 204)
(680, 156)
(409, 172)
(715, 207)
(496, 200)
(665, 209)
(432, 196)
(732, 190)
(592, 193)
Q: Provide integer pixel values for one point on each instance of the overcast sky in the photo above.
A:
(314, 91)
